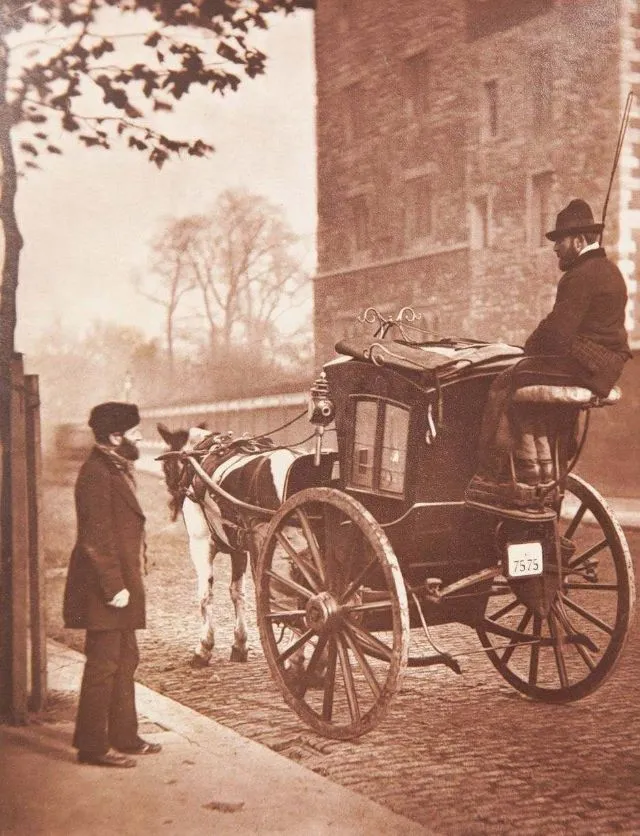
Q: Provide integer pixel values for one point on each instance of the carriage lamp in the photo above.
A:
(320, 412)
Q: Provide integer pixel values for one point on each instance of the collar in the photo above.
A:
(587, 254)
(590, 247)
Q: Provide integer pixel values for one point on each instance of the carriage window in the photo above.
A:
(394, 449)
(364, 443)
(379, 446)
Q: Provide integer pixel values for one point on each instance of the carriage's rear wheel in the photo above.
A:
(332, 612)
(574, 649)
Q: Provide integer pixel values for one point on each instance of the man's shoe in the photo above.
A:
(141, 747)
(109, 758)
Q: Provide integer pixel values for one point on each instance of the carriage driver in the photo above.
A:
(582, 341)
(104, 592)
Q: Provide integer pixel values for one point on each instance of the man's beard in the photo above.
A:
(128, 450)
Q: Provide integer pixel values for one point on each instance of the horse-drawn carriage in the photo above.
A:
(375, 539)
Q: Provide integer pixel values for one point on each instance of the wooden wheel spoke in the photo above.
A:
(568, 602)
(505, 610)
(590, 552)
(534, 660)
(307, 676)
(297, 560)
(284, 615)
(558, 649)
(329, 682)
(370, 605)
(575, 522)
(313, 543)
(357, 582)
(571, 631)
(293, 648)
(523, 624)
(371, 644)
(364, 665)
(289, 583)
(349, 682)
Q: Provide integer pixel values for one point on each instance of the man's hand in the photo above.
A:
(120, 599)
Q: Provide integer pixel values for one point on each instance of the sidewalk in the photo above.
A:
(207, 779)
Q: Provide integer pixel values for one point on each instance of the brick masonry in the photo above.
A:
(560, 72)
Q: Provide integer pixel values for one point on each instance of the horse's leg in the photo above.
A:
(239, 650)
(202, 553)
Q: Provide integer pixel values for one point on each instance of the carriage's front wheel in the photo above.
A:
(570, 652)
(332, 612)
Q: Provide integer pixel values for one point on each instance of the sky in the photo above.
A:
(88, 216)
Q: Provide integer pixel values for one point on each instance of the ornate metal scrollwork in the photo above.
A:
(372, 316)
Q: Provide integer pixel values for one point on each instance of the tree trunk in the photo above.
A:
(11, 244)
(11, 233)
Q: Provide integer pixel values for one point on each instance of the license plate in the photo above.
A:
(524, 560)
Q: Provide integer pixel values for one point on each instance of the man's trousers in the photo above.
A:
(107, 710)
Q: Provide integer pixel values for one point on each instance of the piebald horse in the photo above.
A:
(249, 469)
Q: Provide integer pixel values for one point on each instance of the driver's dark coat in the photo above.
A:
(587, 322)
(107, 556)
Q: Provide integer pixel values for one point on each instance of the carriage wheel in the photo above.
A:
(574, 649)
(332, 612)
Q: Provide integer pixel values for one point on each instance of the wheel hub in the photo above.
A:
(322, 612)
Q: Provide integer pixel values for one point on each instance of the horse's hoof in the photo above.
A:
(198, 661)
(238, 655)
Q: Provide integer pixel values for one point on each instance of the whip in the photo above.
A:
(623, 129)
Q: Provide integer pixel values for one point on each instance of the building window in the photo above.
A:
(480, 223)
(418, 210)
(418, 82)
(360, 222)
(354, 112)
(485, 17)
(345, 11)
(540, 208)
(541, 87)
(489, 109)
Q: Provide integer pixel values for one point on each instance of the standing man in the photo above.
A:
(104, 594)
(582, 341)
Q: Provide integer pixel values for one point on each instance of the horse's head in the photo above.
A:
(176, 474)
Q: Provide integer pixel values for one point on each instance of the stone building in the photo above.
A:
(450, 133)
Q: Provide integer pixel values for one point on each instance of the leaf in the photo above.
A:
(53, 149)
(69, 123)
(29, 148)
(226, 51)
(153, 39)
(134, 142)
(158, 156)
(159, 105)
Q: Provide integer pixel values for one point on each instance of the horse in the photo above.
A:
(255, 472)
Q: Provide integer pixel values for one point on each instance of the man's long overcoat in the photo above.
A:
(107, 556)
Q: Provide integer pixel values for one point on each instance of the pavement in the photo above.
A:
(207, 779)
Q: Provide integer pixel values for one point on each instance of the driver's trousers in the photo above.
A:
(520, 430)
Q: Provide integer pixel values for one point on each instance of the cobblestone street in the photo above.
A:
(459, 754)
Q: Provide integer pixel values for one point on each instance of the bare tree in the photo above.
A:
(171, 277)
(245, 261)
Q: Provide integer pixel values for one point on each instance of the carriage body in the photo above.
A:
(374, 540)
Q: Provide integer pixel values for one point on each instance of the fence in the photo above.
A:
(23, 663)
